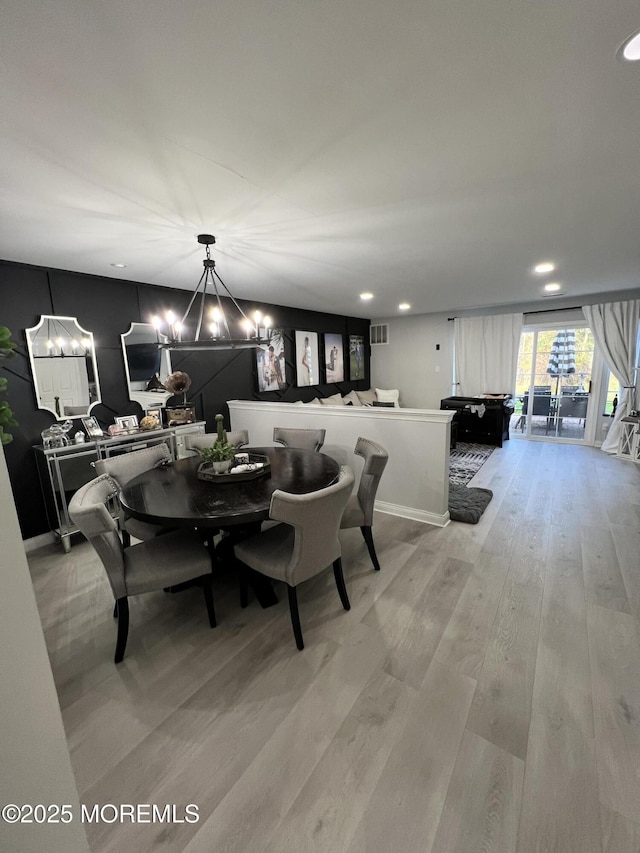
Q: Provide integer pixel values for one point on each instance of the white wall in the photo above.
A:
(411, 362)
(33, 749)
(415, 483)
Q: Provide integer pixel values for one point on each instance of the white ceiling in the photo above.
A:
(425, 150)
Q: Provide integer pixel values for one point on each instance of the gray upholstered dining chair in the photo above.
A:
(145, 567)
(302, 439)
(359, 510)
(239, 438)
(125, 467)
(302, 546)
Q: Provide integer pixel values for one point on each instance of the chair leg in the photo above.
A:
(295, 616)
(115, 610)
(207, 588)
(368, 538)
(342, 589)
(243, 578)
(123, 628)
(126, 538)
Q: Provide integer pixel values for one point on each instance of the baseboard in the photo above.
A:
(413, 514)
(40, 541)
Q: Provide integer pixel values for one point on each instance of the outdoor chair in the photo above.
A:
(125, 467)
(302, 439)
(160, 563)
(359, 509)
(542, 406)
(304, 545)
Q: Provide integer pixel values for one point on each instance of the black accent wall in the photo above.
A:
(106, 307)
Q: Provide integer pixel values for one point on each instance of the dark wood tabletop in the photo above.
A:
(174, 496)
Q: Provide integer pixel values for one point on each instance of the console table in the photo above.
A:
(491, 428)
(62, 470)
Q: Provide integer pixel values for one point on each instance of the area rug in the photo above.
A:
(466, 460)
(467, 504)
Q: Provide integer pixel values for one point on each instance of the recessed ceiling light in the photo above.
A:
(366, 296)
(119, 266)
(544, 267)
(404, 306)
(552, 287)
(630, 48)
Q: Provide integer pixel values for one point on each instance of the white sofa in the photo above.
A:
(415, 483)
(371, 397)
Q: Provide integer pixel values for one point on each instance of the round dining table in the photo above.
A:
(173, 496)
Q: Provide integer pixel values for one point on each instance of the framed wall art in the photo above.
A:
(334, 357)
(356, 357)
(307, 361)
(270, 363)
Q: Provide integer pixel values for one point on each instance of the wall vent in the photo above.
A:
(379, 334)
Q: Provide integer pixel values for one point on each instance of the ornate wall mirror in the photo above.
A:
(146, 366)
(63, 366)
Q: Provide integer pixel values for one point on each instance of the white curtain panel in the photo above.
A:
(615, 329)
(486, 354)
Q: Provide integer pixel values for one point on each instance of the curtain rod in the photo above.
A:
(545, 311)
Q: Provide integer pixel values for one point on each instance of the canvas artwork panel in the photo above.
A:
(270, 361)
(334, 357)
(307, 360)
(356, 357)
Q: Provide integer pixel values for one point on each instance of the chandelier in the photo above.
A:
(212, 332)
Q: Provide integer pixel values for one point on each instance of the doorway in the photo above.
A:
(554, 382)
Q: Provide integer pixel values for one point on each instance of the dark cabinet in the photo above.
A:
(480, 420)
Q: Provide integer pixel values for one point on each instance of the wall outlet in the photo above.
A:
(437, 368)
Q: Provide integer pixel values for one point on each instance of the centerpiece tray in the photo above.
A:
(206, 472)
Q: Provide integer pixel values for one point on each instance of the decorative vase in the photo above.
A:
(221, 467)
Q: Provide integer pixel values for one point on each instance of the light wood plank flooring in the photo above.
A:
(483, 693)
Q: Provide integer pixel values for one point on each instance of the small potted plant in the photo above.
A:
(220, 455)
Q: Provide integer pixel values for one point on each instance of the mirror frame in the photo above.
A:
(134, 326)
(31, 334)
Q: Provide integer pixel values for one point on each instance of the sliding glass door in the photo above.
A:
(554, 383)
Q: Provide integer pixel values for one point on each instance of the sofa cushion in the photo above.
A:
(392, 396)
(366, 397)
(334, 400)
(351, 398)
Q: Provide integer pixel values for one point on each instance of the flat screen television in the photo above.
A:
(144, 361)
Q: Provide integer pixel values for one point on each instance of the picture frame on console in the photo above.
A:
(156, 414)
(127, 422)
(92, 428)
